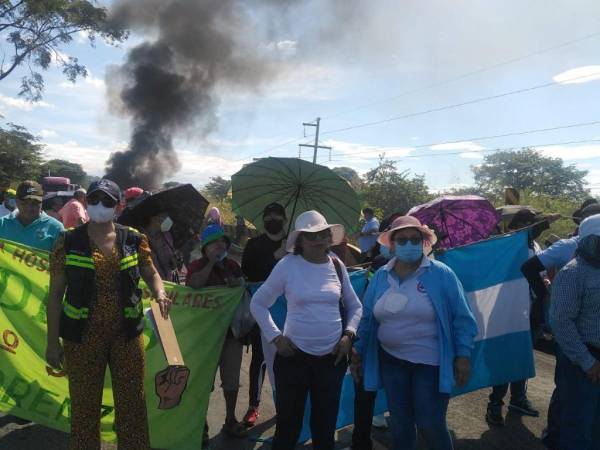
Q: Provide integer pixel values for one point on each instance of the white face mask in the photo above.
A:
(166, 224)
(100, 213)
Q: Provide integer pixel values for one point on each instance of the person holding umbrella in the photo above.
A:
(261, 254)
(100, 321)
(322, 317)
(415, 337)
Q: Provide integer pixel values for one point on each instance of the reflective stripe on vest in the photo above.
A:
(79, 261)
(128, 262)
(75, 313)
(134, 312)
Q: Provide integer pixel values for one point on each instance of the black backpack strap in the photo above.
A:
(338, 269)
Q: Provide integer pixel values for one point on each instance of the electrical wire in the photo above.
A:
(481, 138)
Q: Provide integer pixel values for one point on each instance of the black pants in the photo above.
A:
(518, 392)
(257, 367)
(295, 377)
(364, 406)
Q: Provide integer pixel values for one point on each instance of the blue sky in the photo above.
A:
(360, 72)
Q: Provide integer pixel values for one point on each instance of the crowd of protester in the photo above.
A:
(412, 334)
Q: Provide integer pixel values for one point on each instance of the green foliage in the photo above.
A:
(217, 188)
(547, 204)
(526, 169)
(350, 175)
(62, 168)
(391, 191)
(20, 155)
(34, 30)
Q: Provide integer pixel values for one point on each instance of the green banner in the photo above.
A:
(29, 389)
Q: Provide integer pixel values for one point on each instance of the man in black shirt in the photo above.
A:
(260, 257)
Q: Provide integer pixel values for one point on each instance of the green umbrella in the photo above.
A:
(298, 186)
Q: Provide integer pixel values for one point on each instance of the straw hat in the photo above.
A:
(313, 222)
(402, 222)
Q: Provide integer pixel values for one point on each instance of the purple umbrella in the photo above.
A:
(458, 220)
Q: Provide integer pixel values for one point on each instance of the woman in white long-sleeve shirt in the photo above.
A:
(323, 313)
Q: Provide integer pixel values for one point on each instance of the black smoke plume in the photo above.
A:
(169, 83)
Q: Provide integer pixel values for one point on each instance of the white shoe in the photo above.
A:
(380, 421)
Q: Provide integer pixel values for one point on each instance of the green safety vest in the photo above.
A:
(80, 296)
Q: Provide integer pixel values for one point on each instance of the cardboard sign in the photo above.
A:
(167, 337)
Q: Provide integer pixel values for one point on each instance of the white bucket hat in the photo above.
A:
(313, 222)
(590, 226)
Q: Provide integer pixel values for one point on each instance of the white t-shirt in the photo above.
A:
(408, 325)
(313, 321)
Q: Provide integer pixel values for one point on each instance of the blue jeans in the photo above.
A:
(580, 407)
(414, 401)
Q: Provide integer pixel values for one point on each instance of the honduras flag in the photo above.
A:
(490, 272)
(498, 295)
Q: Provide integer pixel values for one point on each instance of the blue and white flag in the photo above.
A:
(499, 298)
(498, 293)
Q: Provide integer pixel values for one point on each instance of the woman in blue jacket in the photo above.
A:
(415, 337)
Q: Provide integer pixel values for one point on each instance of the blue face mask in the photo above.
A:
(409, 252)
(385, 252)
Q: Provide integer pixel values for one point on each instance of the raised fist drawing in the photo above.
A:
(170, 384)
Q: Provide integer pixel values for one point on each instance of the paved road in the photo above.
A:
(465, 418)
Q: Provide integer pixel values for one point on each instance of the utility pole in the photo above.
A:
(316, 145)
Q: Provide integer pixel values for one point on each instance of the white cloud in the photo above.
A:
(48, 134)
(350, 150)
(287, 47)
(89, 81)
(471, 155)
(19, 103)
(593, 178)
(571, 152)
(458, 146)
(59, 57)
(196, 167)
(82, 37)
(91, 158)
(577, 75)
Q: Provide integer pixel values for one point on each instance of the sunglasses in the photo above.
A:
(107, 202)
(318, 236)
(404, 241)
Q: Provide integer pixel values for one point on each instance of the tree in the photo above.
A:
(20, 155)
(218, 188)
(35, 30)
(62, 168)
(528, 170)
(392, 191)
(350, 175)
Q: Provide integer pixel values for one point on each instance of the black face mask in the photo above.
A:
(274, 226)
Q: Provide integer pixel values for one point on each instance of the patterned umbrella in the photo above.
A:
(298, 186)
(458, 220)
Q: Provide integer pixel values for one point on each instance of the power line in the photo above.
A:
(481, 138)
(466, 75)
(552, 144)
(442, 108)
(458, 105)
